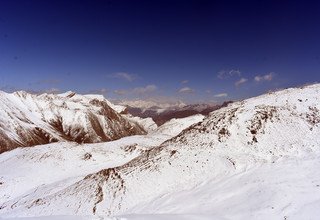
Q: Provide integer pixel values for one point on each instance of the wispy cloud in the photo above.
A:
(102, 91)
(120, 92)
(186, 90)
(146, 89)
(241, 81)
(136, 91)
(220, 95)
(49, 91)
(52, 91)
(123, 75)
(224, 74)
(267, 77)
(184, 81)
(164, 101)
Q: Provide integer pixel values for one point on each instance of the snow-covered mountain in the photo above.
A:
(156, 105)
(27, 119)
(219, 168)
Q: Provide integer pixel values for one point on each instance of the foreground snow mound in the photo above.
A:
(243, 136)
(27, 120)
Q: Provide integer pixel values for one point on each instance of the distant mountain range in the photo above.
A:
(161, 114)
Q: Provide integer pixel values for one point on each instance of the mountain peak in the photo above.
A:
(28, 120)
(68, 94)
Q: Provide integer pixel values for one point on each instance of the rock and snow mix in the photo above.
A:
(255, 159)
(27, 120)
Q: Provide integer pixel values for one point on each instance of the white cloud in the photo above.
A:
(102, 91)
(241, 81)
(224, 74)
(221, 95)
(267, 77)
(123, 75)
(137, 90)
(186, 90)
(146, 89)
(184, 81)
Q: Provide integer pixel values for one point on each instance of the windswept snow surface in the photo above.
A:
(288, 189)
(126, 217)
(255, 159)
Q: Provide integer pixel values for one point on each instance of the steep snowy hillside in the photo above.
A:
(273, 132)
(176, 125)
(67, 162)
(27, 120)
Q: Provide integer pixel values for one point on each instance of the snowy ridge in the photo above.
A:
(275, 131)
(27, 120)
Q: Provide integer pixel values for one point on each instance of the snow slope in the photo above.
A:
(288, 189)
(255, 159)
(24, 170)
(176, 125)
(27, 120)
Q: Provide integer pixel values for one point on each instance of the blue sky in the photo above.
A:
(190, 50)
